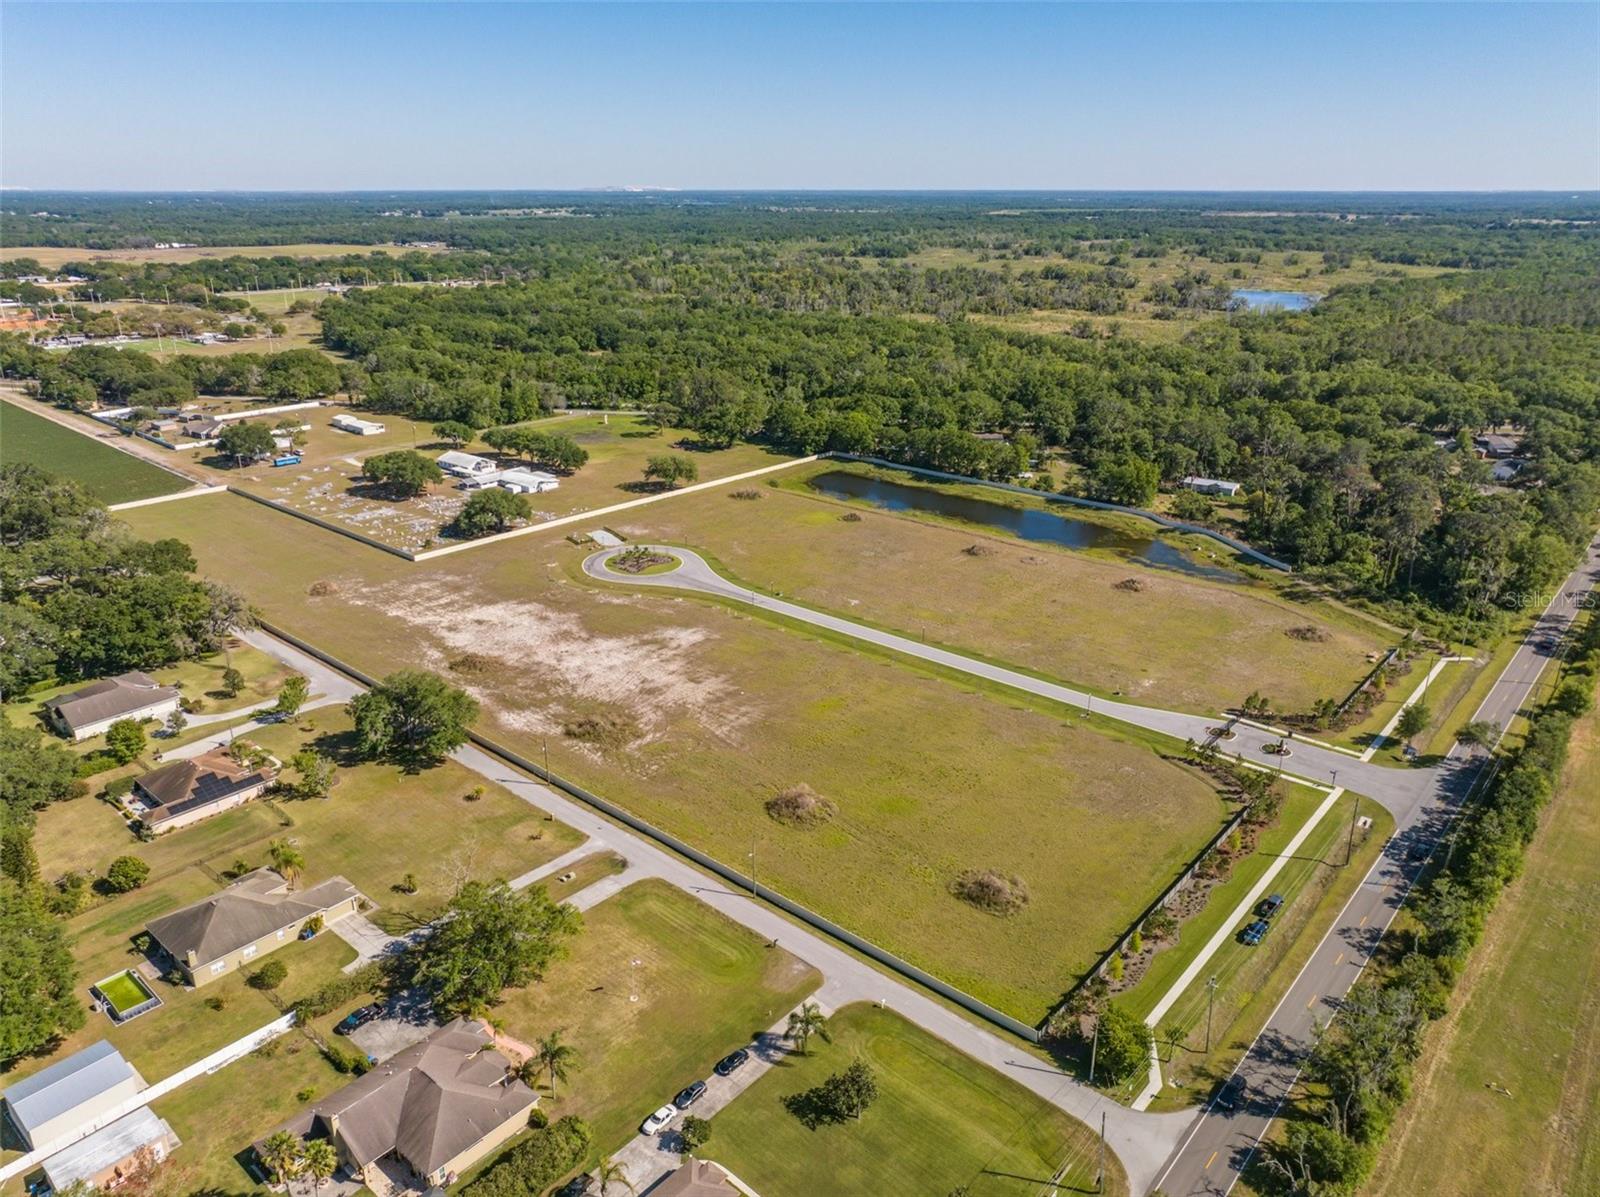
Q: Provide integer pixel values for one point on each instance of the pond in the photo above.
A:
(1025, 522)
(1286, 301)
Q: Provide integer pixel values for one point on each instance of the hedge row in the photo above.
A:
(536, 1163)
(1362, 1067)
(369, 978)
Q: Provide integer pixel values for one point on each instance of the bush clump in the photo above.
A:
(747, 494)
(991, 891)
(979, 550)
(603, 731)
(321, 588)
(471, 663)
(537, 1162)
(1309, 633)
(1137, 585)
(801, 806)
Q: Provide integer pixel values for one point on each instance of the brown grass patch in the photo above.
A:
(322, 588)
(1137, 585)
(471, 663)
(991, 891)
(1308, 632)
(801, 806)
(603, 731)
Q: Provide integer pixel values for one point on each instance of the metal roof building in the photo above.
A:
(70, 1093)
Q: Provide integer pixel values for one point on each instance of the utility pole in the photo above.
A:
(546, 745)
(754, 886)
(1100, 1170)
(1350, 845)
(1211, 1000)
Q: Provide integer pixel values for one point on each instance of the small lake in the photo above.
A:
(1025, 522)
(1284, 301)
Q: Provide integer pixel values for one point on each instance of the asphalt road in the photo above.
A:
(1217, 1150)
(1397, 789)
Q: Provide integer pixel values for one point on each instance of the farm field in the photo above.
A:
(1180, 642)
(695, 715)
(705, 985)
(941, 1120)
(1526, 1018)
(53, 256)
(326, 483)
(108, 474)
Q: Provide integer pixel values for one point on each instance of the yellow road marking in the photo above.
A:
(1339, 959)
(1312, 1002)
(1209, 1162)
(1363, 921)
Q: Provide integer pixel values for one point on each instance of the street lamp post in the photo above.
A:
(1211, 998)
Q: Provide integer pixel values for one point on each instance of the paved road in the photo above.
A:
(1397, 789)
(1222, 1142)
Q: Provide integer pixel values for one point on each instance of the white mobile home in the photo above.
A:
(466, 465)
(1212, 486)
(349, 423)
(528, 482)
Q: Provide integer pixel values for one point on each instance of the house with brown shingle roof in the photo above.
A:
(93, 708)
(255, 915)
(438, 1107)
(187, 791)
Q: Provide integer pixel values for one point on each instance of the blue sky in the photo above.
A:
(1131, 95)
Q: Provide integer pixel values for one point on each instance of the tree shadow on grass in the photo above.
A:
(645, 486)
(812, 1109)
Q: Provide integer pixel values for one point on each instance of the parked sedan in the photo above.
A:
(357, 1018)
(657, 1121)
(1270, 906)
(732, 1062)
(1255, 932)
(689, 1095)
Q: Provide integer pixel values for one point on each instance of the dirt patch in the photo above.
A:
(801, 806)
(991, 891)
(546, 666)
(610, 731)
(472, 664)
(322, 588)
(980, 550)
(1137, 585)
(1309, 633)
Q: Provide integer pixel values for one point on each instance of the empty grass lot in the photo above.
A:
(108, 474)
(1526, 1018)
(693, 715)
(1182, 642)
(941, 1120)
(704, 985)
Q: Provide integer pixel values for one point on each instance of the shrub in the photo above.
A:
(536, 1163)
(1124, 1045)
(801, 806)
(344, 1059)
(304, 1095)
(991, 890)
(119, 787)
(747, 494)
(695, 1131)
(216, 1002)
(270, 975)
(124, 741)
(126, 873)
(367, 979)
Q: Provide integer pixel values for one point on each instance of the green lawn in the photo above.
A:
(704, 985)
(1526, 1018)
(108, 474)
(1181, 642)
(718, 709)
(941, 1120)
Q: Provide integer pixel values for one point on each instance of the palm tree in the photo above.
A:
(287, 859)
(806, 1022)
(280, 1155)
(557, 1058)
(321, 1160)
(529, 1071)
(611, 1173)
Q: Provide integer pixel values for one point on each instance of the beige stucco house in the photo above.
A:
(92, 709)
(187, 791)
(254, 916)
(435, 1109)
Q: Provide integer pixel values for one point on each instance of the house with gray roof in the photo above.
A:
(187, 791)
(70, 1094)
(93, 708)
(437, 1108)
(257, 914)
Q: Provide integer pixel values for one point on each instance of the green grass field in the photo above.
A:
(941, 1120)
(1526, 1018)
(704, 986)
(1181, 642)
(107, 474)
(707, 712)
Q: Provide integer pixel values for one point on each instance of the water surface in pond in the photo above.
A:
(1288, 301)
(1025, 522)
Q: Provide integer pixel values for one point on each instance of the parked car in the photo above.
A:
(689, 1095)
(1233, 1092)
(1270, 906)
(578, 1186)
(732, 1062)
(1255, 932)
(357, 1018)
(653, 1124)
